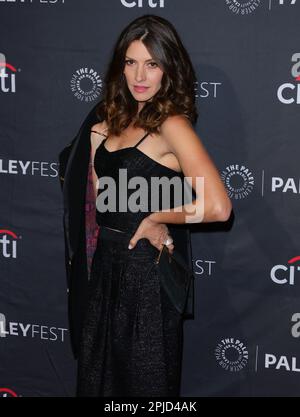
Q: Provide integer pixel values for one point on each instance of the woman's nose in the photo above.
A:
(140, 73)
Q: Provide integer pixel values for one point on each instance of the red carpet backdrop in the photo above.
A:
(244, 340)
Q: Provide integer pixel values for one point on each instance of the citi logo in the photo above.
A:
(7, 76)
(285, 274)
(8, 241)
(143, 3)
(6, 392)
(289, 93)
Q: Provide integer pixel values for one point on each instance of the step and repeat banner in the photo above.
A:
(245, 338)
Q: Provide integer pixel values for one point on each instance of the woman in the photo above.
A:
(129, 341)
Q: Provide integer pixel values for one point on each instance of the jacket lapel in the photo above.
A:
(75, 189)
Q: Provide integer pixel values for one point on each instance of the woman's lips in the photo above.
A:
(139, 89)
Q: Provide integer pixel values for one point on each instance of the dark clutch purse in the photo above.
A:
(176, 278)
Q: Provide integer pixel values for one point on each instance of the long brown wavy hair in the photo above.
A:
(177, 93)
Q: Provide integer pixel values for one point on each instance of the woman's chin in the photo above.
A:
(142, 97)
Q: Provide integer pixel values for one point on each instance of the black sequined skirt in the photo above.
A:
(131, 342)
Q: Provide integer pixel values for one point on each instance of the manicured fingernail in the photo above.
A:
(130, 246)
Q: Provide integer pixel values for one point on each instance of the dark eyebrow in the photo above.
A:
(151, 59)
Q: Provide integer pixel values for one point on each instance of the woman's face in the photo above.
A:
(142, 73)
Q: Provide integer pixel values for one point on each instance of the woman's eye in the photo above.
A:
(151, 64)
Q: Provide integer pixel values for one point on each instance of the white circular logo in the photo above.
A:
(238, 180)
(231, 354)
(243, 7)
(86, 84)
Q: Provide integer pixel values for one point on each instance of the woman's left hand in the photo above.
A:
(155, 232)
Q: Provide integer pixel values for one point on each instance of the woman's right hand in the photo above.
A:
(155, 232)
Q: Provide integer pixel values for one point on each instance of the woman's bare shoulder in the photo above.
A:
(172, 122)
(98, 134)
(100, 128)
(177, 132)
(175, 126)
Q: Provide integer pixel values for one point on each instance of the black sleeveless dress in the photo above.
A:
(131, 341)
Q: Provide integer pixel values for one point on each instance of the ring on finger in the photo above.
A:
(168, 241)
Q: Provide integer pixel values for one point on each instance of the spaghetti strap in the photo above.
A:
(141, 140)
(102, 134)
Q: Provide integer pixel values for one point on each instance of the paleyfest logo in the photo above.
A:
(289, 93)
(7, 76)
(286, 363)
(42, 2)
(206, 89)
(285, 185)
(30, 330)
(283, 2)
(86, 84)
(238, 180)
(243, 7)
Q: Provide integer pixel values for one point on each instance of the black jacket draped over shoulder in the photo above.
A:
(76, 185)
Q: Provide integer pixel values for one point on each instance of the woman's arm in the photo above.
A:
(212, 202)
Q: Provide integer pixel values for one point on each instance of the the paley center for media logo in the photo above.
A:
(242, 7)
(7, 76)
(238, 180)
(232, 354)
(247, 7)
(86, 84)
